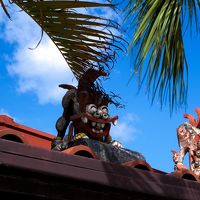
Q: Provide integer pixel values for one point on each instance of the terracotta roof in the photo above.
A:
(9, 122)
(8, 127)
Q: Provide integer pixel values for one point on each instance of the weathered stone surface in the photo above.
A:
(108, 152)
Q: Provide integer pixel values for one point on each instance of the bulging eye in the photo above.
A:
(105, 115)
(91, 108)
(104, 109)
(104, 112)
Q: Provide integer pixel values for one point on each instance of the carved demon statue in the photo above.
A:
(85, 112)
(189, 142)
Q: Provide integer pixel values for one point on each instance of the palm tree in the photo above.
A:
(158, 40)
(84, 39)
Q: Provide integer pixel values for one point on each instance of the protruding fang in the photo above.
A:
(93, 123)
(115, 122)
(84, 120)
(102, 125)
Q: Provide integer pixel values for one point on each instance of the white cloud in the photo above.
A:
(125, 130)
(41, 70)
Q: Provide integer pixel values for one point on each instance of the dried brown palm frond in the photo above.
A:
(85, 40)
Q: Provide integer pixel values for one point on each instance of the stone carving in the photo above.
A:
(85, 113)
(189, 141)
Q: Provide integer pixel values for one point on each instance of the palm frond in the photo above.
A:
(158, 40)
(4, 8)
(85, 40)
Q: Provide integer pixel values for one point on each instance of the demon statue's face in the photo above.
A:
(95, 122)
(86, 108)
(93, 118)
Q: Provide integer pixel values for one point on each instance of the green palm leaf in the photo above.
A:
(158, 40)
(83, 39)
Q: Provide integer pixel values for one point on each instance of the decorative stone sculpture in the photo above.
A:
(88, 121)
(189, 141)
(85, 112)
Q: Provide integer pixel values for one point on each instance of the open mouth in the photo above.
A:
(95, 127)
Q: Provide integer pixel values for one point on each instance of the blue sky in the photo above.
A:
(30, 94)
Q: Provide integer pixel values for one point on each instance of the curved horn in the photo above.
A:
(87, 80)
(191, 119)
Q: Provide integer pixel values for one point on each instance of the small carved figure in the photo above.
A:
(189, 142)
(85, 112)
